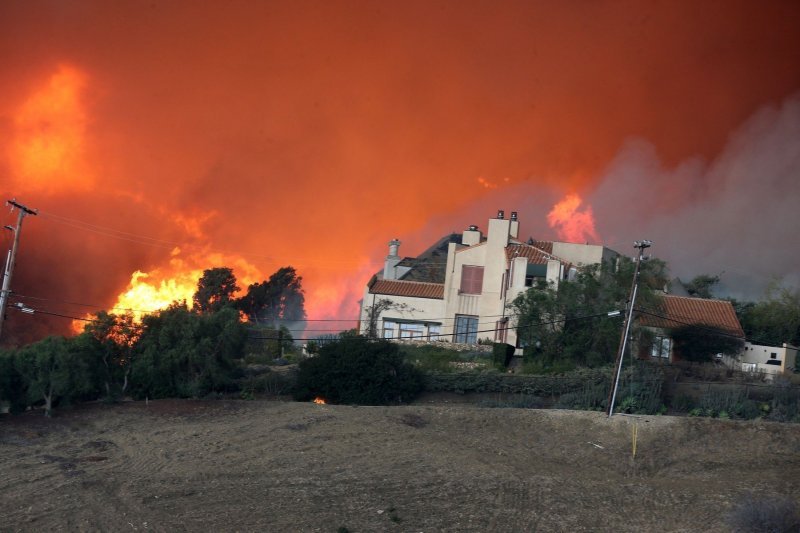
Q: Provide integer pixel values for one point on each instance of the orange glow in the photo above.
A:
(311, 134)
(572, 224)
(47, 151)
(319, 400)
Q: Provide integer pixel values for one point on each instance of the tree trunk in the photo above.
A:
(48, 402)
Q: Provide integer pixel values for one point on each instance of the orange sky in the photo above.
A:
(311, 133)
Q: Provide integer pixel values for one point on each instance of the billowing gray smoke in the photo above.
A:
(738, 214)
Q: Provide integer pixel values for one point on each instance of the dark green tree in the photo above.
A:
(112, 339)
(12, 386)
(356, 370)
(552, 322)
(185, 354)
(215, 290)
(52, 370)
(280, 298)
(702, 286)
(774, 320)
(700, 343)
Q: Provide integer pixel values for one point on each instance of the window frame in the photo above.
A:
(465, 330)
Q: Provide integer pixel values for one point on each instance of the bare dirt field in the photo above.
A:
(182, 465)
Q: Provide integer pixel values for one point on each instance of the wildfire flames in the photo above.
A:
(148, 292)
(572, 224)
(320, 400)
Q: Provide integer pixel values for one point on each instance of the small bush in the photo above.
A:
(748, 409)
(764, 514)
(556, 367)
(593, 397)
(356, 370)
(683, 404)
(502, 354)
(269, 383)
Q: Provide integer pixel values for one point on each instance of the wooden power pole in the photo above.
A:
(612, 394)
(12, 254)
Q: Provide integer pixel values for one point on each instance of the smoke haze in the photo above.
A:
(259, 135)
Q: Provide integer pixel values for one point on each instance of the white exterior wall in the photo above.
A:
(582, 254)
(755, 356)
(489, 306)
(419, 310)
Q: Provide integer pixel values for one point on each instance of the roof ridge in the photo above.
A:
(544, 252)
(412, 281)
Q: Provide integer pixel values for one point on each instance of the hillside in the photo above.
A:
(274, 466)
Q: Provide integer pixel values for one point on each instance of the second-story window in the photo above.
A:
(471, 279)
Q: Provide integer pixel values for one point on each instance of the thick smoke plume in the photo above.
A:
(736, 215)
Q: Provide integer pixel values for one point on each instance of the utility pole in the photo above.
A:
(11, 257)
(612, 395)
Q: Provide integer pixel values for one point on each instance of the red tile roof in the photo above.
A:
(534, 254)
(416, 289)
(676, 311)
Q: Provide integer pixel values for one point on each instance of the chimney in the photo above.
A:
(389, 268)
(513, 231)
(471, 236)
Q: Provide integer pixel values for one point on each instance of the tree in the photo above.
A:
(569, 324)
(52, 371)
(215, 290)
(375, 310)
(12, 385)
(186, 354)
(356, 370)
(774, 320)
(281, 297)
(702, 286)
(700, 343)
(113, 338)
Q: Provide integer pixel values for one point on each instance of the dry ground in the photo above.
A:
(284, 466)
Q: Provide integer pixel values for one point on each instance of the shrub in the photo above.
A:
(12, 385)
(683, 404)
(593, 396)
(356, 370)
(502, 354)
(715, 401)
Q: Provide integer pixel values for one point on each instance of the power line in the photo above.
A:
(104, 308)
(167, 244)
(506, 328)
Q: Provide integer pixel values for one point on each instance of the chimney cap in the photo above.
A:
(513, 215)
(472, 227)
(501, 214)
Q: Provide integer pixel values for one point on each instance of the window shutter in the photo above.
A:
(471, 279)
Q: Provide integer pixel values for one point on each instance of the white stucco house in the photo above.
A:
(769, 360)
(458, 289)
